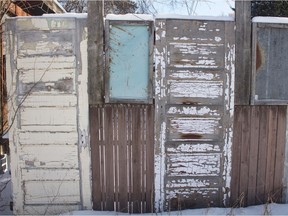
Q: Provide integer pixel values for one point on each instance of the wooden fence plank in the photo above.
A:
(263, 131)
(94, 133)
(116, 156)
(136, 159)
(271, 150)
(102, 155)
(244, 169)
(143, 156)
(254, 143)
(237, 142)
(123, 187)
(280, 154)
(150, 159)
(109, 158)
(122, 170)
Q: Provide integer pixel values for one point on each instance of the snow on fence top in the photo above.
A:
(282, 20)
(132, 17)
(66, 15)
(211, 18)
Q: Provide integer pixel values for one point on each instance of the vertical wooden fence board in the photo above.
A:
(102, 157)
(149, 159)
(271, 150)
(262, 179)
(94, 138)
(237, 142)
(280, 154)
(253, 145)
(109, 159)
(245, 153)
(122, 174)
(264, 129)
(123, 181)
(136, 159)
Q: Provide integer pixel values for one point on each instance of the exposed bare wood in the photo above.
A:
(125, 166)
(243, 52)
(95, 53)
(257, 175)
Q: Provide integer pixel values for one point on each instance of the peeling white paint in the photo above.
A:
(194, 165)
(192, 148)
(194, 74)
(193, 111)
(83, 125)
(160, 170)
(196, 89)
(193, 183)
(229, 98)
(218, 39)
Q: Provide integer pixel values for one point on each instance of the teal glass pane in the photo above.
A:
(129, 62)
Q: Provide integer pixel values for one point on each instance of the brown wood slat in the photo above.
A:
(254, 143)
(102, 154)
(149, 158)
(136, 159)
(271, 150)
(244, 169)
(94, 136)
(122, 170)
(116, 155)
(109, 158)
(261, 174)
(143, 156)
(280, 153)
(266, 153)
(237, 142)
(123, 187)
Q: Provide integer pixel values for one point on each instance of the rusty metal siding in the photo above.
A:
(45, 113)
(194, 109)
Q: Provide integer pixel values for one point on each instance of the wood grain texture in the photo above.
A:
(258, 171)
(243, 52)
(124, 181)
(95, 52)
(194, 79)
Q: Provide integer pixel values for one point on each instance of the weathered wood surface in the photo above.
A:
(243, 52)
(95, 52)
(44, 75)
(122, 163)
(269, 64)
(258, 154)
(194, 92)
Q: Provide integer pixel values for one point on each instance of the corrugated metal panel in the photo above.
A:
(194, 97)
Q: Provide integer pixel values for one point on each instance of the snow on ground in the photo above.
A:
(5, 194)
(269, 209)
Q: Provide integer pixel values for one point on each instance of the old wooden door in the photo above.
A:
(194, 97)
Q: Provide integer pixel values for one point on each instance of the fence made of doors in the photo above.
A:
(122, 140)
(258, 154)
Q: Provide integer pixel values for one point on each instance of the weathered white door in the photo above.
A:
(194, 112)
